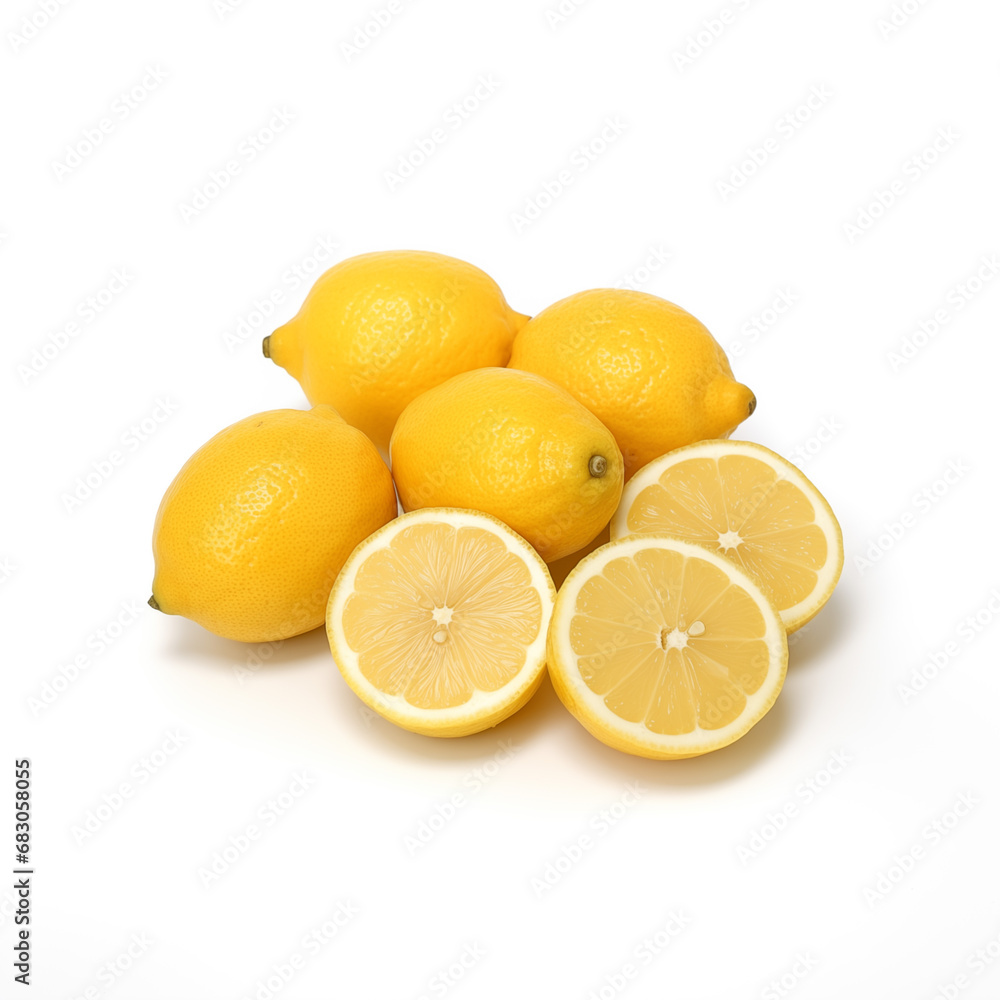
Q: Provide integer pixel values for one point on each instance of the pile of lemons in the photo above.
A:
(516, 447)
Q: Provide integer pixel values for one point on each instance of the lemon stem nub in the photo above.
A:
(152, 603)
(265, 346)
(598, 466)
(751, 406)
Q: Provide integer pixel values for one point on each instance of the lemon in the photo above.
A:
(750, 505)
(561, 568)
(438, 621)
(664, 649)
(649, 370)
(516, 446)
(377, 330)
(253, 530)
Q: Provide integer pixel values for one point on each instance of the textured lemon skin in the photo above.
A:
(648, 369)
(377, 330)
(252, 532)
(514, 445)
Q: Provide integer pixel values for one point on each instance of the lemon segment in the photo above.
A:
(663, 649)
(751, 506)
(438, 621)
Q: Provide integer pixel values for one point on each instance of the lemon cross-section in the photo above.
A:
(663, 649)
(750, 505)
(439, 624)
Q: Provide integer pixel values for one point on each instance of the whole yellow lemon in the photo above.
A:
(513, 445)
(650, 371)
(378, 330)
(253, 530)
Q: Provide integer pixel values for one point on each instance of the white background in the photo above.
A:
(871, 434)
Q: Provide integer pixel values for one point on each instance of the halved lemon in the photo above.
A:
(438, 621)
(663, 649)
(750, 505)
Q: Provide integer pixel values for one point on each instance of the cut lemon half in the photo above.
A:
(663, 649)
(750, 505)
(438, 621)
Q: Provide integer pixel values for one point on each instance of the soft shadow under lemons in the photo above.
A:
(718, 766)
(192, 641)
(524, 727)
(539, 717)
(545, 712)
(813, 641)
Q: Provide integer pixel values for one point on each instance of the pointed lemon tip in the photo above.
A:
(282, 346)
(153, 604)
(728, 403)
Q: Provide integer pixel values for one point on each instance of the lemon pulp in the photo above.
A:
(752, 507)
(440, 623)
(687, 655)
(663, 649)
(440, 613)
